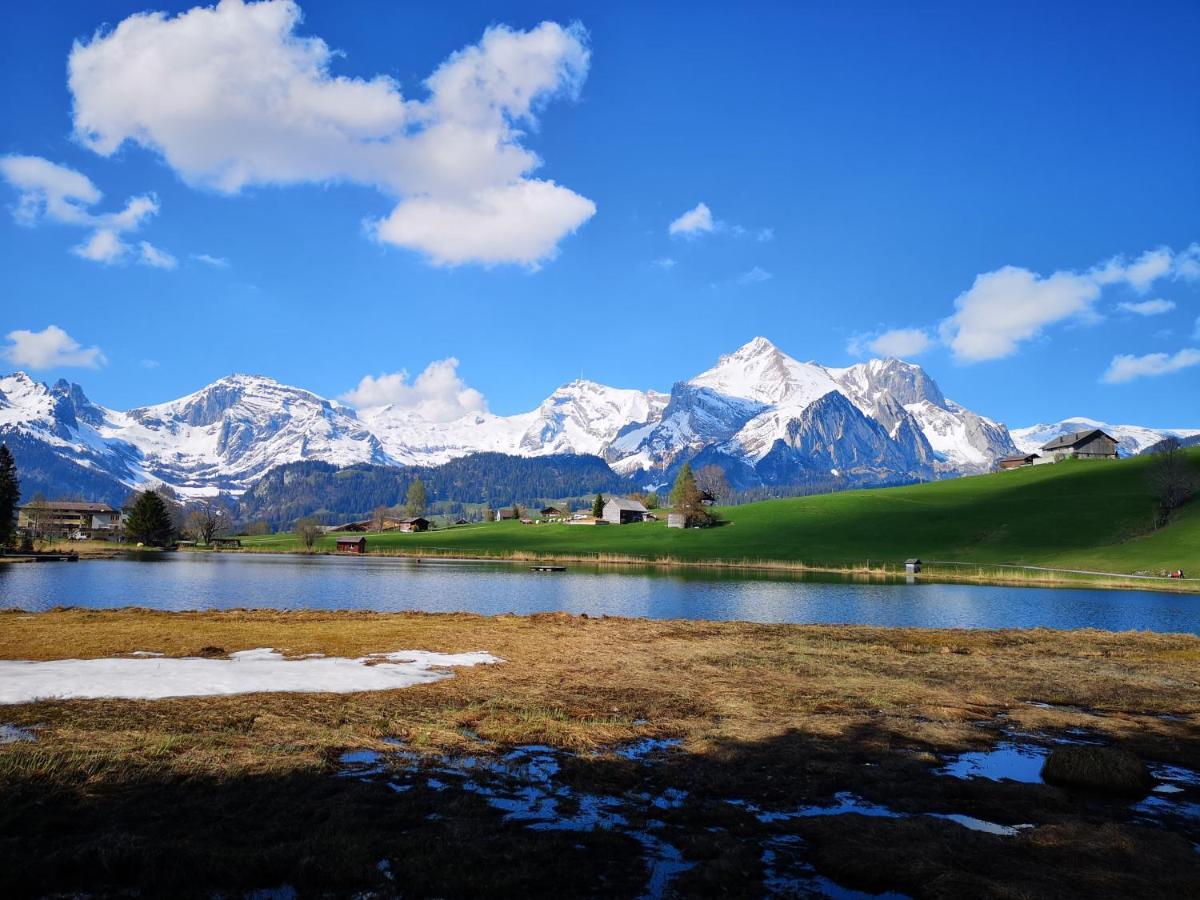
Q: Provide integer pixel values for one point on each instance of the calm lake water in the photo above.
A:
(185, 581)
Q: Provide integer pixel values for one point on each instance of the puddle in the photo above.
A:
(525, 785)
(647, 747)
(530, 787)
(11, 734)
(786, 872)
(846, 803)
(1006, 762)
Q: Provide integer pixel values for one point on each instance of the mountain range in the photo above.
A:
(766, 418)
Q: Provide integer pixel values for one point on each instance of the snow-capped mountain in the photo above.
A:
(762, 415)
(580, 417)
(1131, 439)
(780, 420)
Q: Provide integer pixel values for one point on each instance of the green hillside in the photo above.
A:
(1092, 515)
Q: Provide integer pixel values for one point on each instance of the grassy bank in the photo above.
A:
(1070, 516)
(197, 795)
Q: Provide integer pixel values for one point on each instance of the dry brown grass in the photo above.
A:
(763, 710)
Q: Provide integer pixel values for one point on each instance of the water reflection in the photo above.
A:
(187, 581)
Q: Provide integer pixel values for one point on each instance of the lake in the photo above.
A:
(187, 581)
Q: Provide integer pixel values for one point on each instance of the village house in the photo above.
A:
(1018, 462)
(1090, 444)
(415, 523)
(70, 519)
(505, 513)
(620, 511)
(351, 545)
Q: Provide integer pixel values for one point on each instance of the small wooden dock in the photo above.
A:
(42, 557)
(547, 568)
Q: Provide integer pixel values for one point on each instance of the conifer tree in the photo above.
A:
(598, 506)
(686, 498)
(10, 495)
(416, 499)
(149, 521)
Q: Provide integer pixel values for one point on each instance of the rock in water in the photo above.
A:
(1109, 770)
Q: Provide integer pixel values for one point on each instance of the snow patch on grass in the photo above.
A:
(246, 672)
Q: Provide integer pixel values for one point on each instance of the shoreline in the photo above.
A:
(983, 574)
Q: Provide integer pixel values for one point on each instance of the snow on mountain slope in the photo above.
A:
(1131, 439)
(756, 401)
(236, 429)
(580, 417)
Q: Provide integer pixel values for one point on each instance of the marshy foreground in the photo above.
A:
(612, 757)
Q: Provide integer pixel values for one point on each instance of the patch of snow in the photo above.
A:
(250, 671)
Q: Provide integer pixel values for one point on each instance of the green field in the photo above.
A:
(1085, 515)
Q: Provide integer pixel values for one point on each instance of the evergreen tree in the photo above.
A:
(149, 521)
(416, 500)
(10, 496)
(598, 506)
(686, 498)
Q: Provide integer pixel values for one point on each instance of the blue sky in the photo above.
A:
(1008, 195)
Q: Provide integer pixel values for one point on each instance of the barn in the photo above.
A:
(352, 545)
(621, 511)
(1090, 444)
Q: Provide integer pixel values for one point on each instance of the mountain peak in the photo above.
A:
(759, 346)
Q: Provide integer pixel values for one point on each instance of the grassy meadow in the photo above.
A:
(1072, 515)
(222, 795)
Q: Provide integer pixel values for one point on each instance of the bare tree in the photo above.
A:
(711, 479)
(205, 521)
(379, 518)
(308, 530)
(1172, 478)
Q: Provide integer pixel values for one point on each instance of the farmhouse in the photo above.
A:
(505, 513)
(1090, 444)
(69, 518)
(1018, 462)
(352, 545)
(415, 523)
(620, 511)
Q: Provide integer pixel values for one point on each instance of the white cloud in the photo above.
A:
(155, 258)
(217, 262)
(898, 342)
(47, 191)
(232, 96)
(437, 394)
(103, 247)
(150, 363)
(1126, 367)
(50, 348)
(756, 275)
(665, 263)
(1148, 307)
(698, 220)
(1005, 308)
(521, 222)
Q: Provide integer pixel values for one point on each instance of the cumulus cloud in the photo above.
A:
(1126, 367)
(898, 342)
(217, 262)
(1148, 307)
(1010, 306)
(50, 348)
(697, 220)
(49, 192)
(437, 394)
(232, 96)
